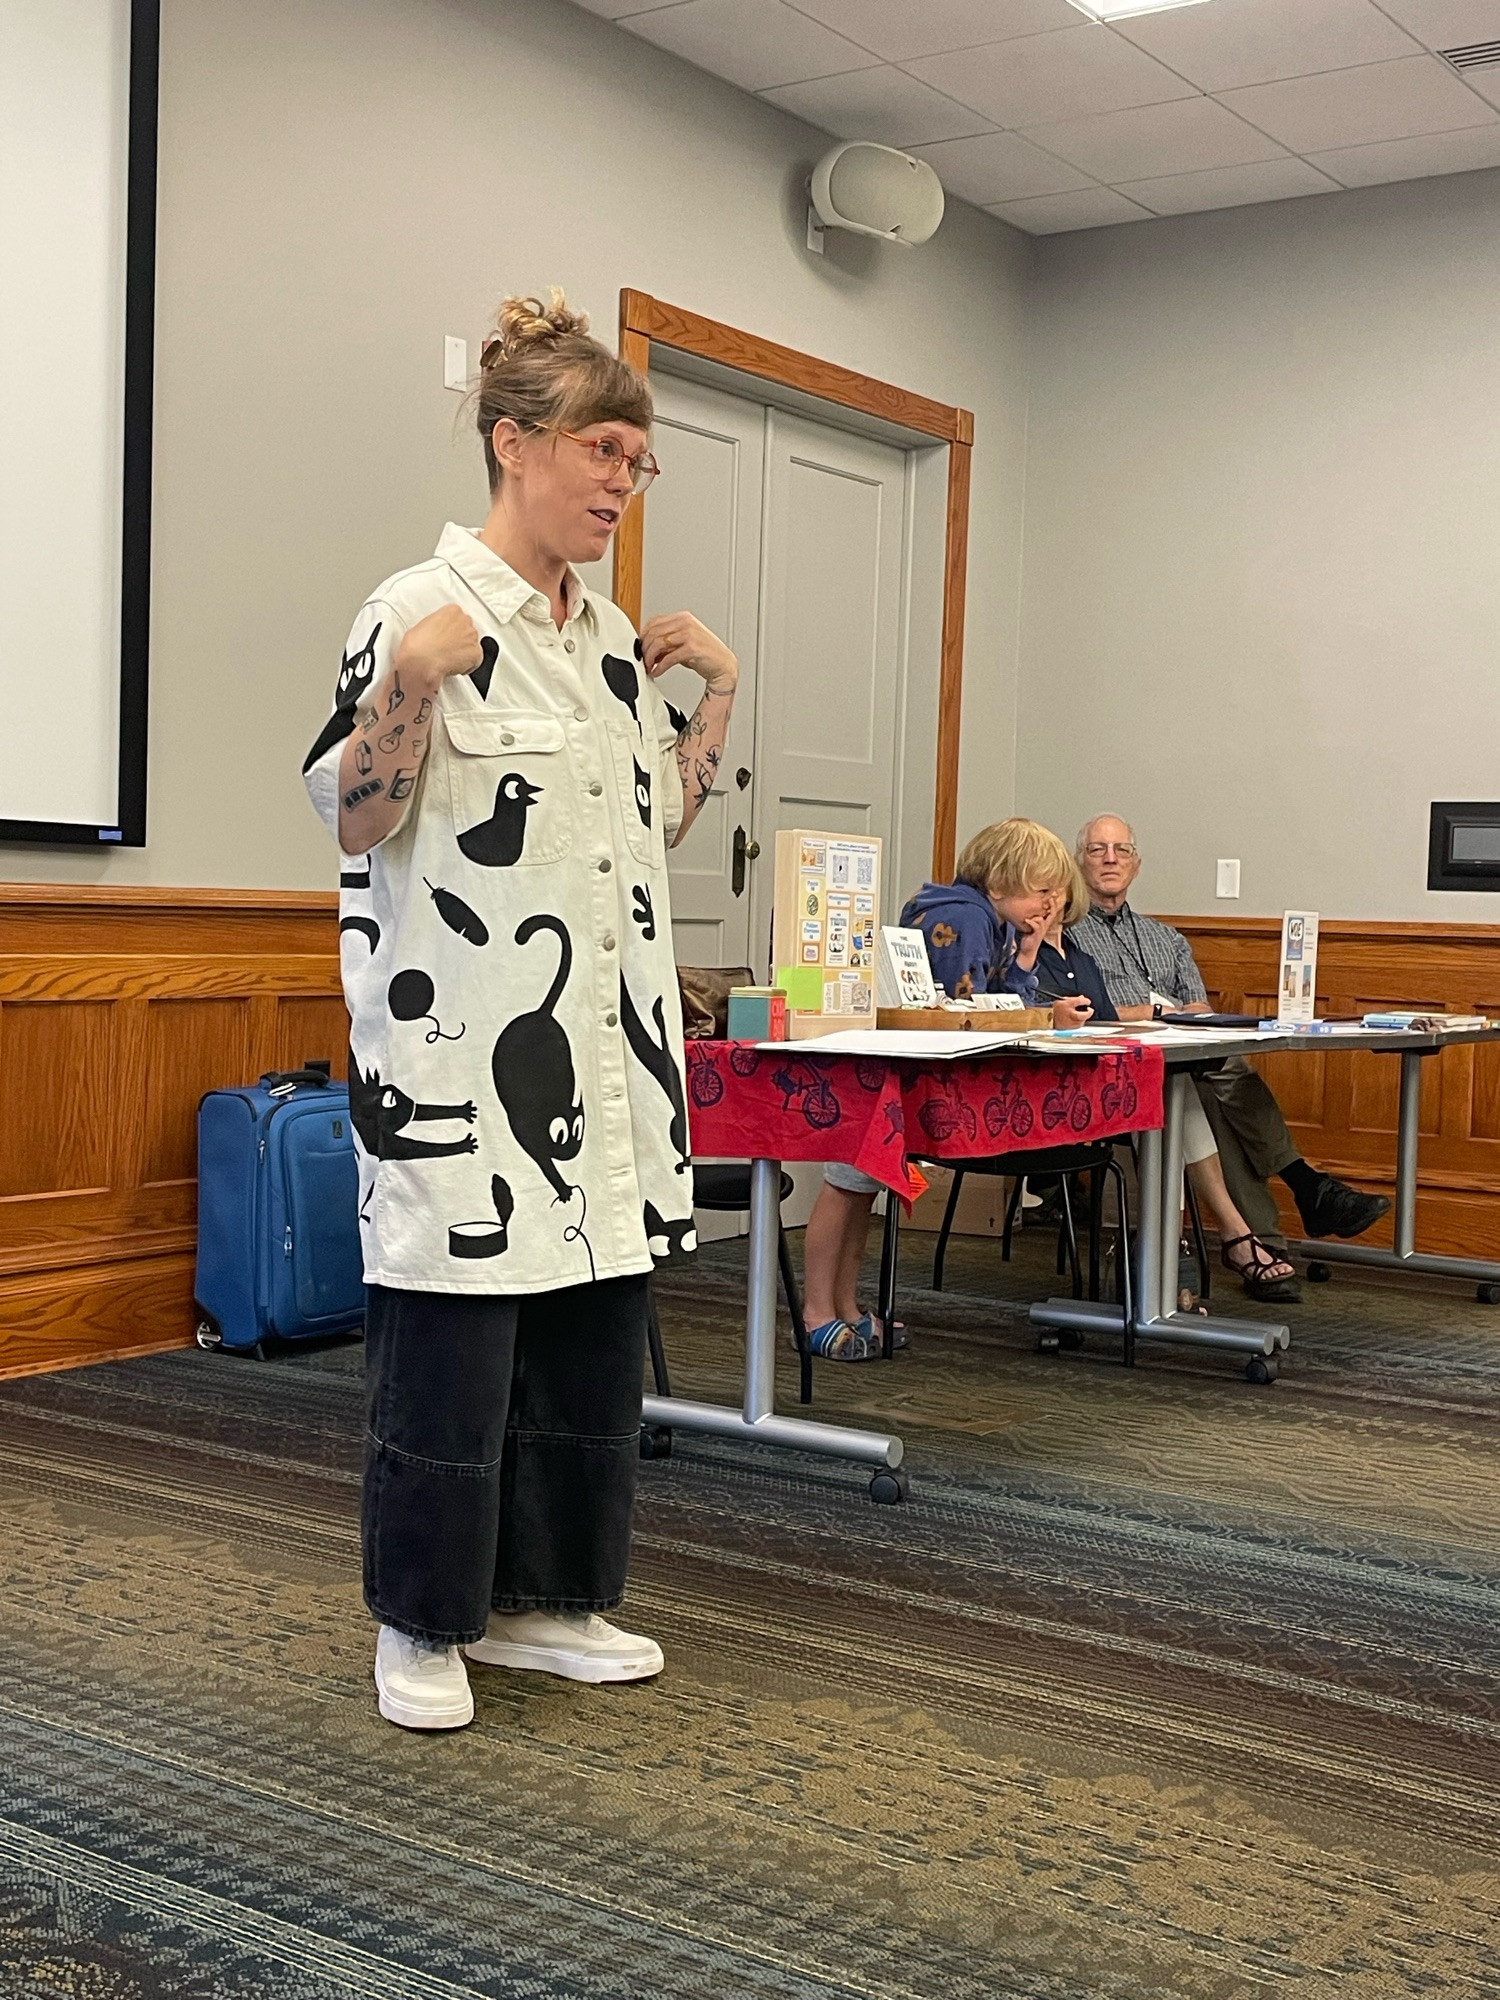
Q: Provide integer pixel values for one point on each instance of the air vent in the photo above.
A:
(1477, 55)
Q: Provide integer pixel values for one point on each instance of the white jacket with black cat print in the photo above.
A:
(516, 1069)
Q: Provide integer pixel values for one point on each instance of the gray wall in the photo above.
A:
(1261, 610)
(344, 182)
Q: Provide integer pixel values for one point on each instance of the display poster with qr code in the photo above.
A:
(1297, 987)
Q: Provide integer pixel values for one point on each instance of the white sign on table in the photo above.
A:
(1297, 983)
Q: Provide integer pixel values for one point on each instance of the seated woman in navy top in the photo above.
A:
(1064, 970)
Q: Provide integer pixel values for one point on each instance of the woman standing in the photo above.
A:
(504, 778)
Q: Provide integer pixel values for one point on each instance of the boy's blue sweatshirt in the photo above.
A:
(971, 949)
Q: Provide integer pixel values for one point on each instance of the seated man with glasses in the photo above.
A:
(1148, 967)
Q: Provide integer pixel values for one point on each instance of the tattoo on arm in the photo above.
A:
(422, 713)
(392, 738)
(364, 757)
(402, 785)
(361, 793)
(398, 694)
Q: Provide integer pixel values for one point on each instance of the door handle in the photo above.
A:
(744, 850)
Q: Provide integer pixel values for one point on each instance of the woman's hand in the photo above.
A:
(1073, 1012)
(678, 639)
(444, 643)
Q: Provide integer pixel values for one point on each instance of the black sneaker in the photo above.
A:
(1340, 1210)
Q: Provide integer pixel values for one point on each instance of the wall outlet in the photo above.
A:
(1229, 879)
(455, 362)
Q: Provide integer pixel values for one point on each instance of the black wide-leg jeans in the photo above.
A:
(501, 1452)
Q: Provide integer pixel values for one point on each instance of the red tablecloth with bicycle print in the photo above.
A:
(874, 1113)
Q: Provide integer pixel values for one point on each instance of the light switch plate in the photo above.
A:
(455, 362)
(1229, 879)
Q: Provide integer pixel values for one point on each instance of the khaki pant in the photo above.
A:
(1253, 1140)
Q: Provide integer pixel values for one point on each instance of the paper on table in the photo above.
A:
(906, 1043)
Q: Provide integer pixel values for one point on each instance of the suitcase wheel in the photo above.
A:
(207, 1333)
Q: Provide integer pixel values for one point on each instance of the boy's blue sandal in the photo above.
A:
(837, 1340)
(870, 1326)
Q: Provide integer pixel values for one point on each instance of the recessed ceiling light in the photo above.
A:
(1121, 10)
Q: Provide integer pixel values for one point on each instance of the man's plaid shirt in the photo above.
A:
(1138, 955)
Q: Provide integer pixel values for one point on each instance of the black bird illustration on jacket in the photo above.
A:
(497, 841)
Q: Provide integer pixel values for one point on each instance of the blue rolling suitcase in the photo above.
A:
(278, 1213)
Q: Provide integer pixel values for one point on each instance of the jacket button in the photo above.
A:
(611, 1020)
(605, 865)
(507, 739)
(569, 646)
(580, 715)
(609, 944)
(596, 790)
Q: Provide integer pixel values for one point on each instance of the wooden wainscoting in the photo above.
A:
(1341, 1106)
(118, 1009)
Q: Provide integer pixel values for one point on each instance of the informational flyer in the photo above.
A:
(826, 913)
(904, 976)
(1297, 987)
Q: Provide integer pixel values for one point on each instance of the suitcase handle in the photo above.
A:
(282, 1081)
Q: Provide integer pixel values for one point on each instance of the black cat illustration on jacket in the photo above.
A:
(533, 1070)
(656, 1057)
(380, 1113)
(355, 676)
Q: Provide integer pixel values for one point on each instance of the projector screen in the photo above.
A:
(77, 232)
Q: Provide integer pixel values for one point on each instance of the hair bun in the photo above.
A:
(523, 323)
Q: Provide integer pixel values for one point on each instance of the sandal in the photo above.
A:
(1264, 1275)
(870, 1324)
(837, 1340)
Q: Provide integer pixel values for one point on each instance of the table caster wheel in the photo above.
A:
(1070, 1337)
(1048, 1341)
(656, 1441)
(1260, 1369)
(888, 1488)
(1487, 1295)
(1318, 1274)
(208, 1336)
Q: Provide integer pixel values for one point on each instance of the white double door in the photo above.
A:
(789, 538)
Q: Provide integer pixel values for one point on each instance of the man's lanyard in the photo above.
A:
(1137, 950)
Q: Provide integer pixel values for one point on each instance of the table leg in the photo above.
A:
(756, 1418)
(1157, 1237)
(1404, 1256)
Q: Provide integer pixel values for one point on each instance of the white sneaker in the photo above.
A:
(421, 1686)
(579, 1645)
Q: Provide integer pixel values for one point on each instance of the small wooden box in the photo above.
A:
(961, 1020)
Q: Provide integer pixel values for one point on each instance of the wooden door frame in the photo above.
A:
(645, 320)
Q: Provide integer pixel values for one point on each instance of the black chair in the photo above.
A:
(726, 1190)
(1097, 1160)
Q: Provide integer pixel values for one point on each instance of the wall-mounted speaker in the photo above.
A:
(876, 191)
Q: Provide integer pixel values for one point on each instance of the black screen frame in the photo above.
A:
(1443, 872)
(129, 830)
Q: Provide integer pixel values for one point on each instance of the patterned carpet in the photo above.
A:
(1160, 1685)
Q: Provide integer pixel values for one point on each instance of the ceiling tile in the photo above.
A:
(999, 166)
(612, 10)
(1042, 77)
(899, 29)
(1356, 107)
(1486, 82)
(882, 104)
(1229, 187)
(1414, 159)
(1089, 208)
(1155, 139)
(1237, 42)
(754, 43)
(1448, 24)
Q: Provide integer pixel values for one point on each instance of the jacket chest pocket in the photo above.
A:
(637, 778)
(510, 787)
